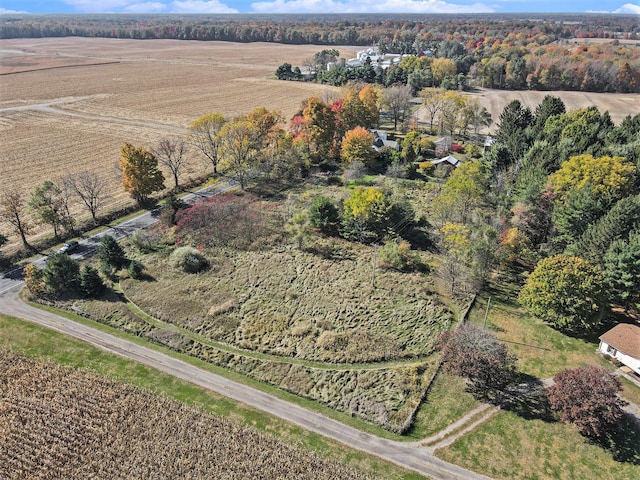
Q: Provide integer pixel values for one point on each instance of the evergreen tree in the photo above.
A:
(91, 284)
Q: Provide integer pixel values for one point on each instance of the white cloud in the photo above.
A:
(6, 11)
(200, 6)
(367, 6)
(629, 8)
(146, 7)
(99, 6)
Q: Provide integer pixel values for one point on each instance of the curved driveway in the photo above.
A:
(407, 455)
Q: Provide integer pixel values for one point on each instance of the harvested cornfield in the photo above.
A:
(57, 422)
(69, 104)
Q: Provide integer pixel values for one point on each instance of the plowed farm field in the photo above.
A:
(69, 104)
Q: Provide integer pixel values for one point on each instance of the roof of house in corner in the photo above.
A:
(625, 338)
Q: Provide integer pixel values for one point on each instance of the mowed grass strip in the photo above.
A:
(511, 447)
(38, 342)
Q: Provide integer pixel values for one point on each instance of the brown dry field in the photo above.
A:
(158, 87)
(619, 105)
(68, 104)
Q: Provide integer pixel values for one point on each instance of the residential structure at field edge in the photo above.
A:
(622, 342)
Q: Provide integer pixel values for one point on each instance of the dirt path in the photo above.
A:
(50, 108)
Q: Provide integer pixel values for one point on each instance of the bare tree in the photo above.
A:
(12, 206)
(171, 155)
(90, 187)
(433, 101)
(397, 99)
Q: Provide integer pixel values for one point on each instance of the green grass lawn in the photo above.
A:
(510, 447)
(35, 341)
(447, 402)
(541, 350)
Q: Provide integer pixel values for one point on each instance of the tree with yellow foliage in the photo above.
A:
(140, 173)
(357, 145)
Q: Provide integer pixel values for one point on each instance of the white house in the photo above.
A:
(622, 342)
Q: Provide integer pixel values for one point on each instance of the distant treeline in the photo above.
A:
(395, 32)
(515, 51)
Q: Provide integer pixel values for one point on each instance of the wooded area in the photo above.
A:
(497, 51)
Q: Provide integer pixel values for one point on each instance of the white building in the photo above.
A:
(622, 342)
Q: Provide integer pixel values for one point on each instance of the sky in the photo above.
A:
(318, 6)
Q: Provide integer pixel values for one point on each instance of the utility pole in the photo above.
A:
(375, 260)
(486, 313)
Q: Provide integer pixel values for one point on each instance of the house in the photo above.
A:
(622, 342)
(448, 161)
(380, 140)
(443, 145)
(488, 143)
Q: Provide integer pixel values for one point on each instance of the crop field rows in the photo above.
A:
(61, 423)
(161, 85)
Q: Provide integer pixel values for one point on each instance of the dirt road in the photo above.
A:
(410, 456)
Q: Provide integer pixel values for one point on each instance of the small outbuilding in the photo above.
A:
(448, 161)
(622, 342)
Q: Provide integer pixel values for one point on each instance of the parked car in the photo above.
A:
(69, 247)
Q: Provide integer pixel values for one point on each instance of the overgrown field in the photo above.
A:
(309, 325)
(296, 304)
(56, 422)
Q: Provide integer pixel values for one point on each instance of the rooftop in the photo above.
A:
(625, 338)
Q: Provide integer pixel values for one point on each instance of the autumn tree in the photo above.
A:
(140, 173)
(613, 177)
(472, 352)
(240, 149)
(90, 187)
(12, 206)
(456, 253)
(48, 205)
(34, 280)
(171, 154)
(357, 146)
(204, 136)
(320, 125)
(569, 293)
(466, 187)
(587, 397)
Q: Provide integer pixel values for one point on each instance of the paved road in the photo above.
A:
(408, 455)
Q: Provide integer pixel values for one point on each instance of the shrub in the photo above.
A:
(587, 397)
(189, 260)
(135, 269)
(457, 148)
(323, 214)
(356, 170)
(397, 256)
(472, 352)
